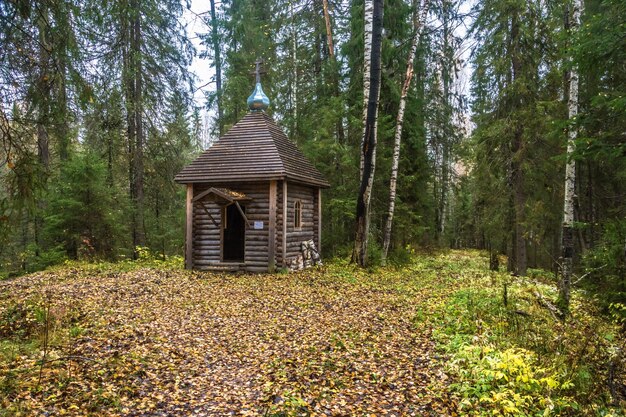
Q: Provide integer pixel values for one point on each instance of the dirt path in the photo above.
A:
(162, 343)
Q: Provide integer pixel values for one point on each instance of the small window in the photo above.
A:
(297, 214)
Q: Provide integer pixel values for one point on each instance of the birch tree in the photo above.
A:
(215, 38)
(368, 149)
(418, 23)
(293, 92)
(367, 53)
(567, 243)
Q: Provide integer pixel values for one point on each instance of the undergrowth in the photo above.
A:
(505, 353)
(510, 355)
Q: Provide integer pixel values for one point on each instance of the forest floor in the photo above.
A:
(155, 340)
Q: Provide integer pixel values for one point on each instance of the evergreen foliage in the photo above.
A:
(487, 175)
(97, 116)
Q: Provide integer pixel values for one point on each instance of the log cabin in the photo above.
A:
(252, 197)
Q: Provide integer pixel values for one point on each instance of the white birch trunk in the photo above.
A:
(370, 182)
(418, 24)
(368, 149)
(570, 176)
(367, 53)
(294, 58)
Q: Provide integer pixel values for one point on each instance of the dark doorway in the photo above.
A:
(234, 234)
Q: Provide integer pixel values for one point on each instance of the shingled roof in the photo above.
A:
(253, 149)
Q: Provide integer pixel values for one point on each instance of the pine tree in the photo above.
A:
(506, 87)
(146, 38)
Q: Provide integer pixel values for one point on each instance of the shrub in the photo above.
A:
(507, 383)
(606, 266)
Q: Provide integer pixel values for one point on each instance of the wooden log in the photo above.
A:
(198, 253)
(207, 233)
(204, 219)
(206, 227)
(206, 243)
(257, 246)
(207, 251)
(255, 269)
(222, 218)
(258, 259)
(201, 249)
(212, 238)
(256, 251)
(208, 213)
(189, 228)
(300, 234)
(317, 220)
(271, 249)
(207, 230)
(206, 262)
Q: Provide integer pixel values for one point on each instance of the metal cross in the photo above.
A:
(258, 71)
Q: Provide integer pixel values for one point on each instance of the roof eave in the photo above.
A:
(302, 180)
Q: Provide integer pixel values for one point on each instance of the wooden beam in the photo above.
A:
(189, 229)
(206, 210)
(221, 194)
(242, 214)
(285, 227)
(271, 244)
(319, 221)
(222, 223)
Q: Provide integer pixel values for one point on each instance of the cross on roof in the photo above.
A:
(258, 71)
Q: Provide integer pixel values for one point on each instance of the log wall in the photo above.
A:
(308, 198)
(207, 236)
(279, 224)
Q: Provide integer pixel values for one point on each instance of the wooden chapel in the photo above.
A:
(252, 197)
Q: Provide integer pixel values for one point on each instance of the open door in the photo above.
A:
(234, 234)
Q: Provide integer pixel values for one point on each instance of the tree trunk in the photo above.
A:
(139, 238)
(443, 192)
(133, 82)
(43, 91)
(335, 69)
(418, 23)
(367, 53)
(62, 114)
(110, 181)
(517, 169)
(567, 244)
(129, 95)
(519, 203)
(294, 73)
(359, 254)
(218, 68)
(446, 136)
(329, 33)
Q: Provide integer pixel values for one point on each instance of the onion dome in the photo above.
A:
(258, 101)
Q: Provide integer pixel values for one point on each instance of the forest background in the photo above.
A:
(98, 114)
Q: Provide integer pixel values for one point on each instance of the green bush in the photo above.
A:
(508, 383)
(606, 266)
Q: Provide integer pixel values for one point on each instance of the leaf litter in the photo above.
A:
(333, 341)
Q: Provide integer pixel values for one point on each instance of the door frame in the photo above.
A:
(224, 221)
